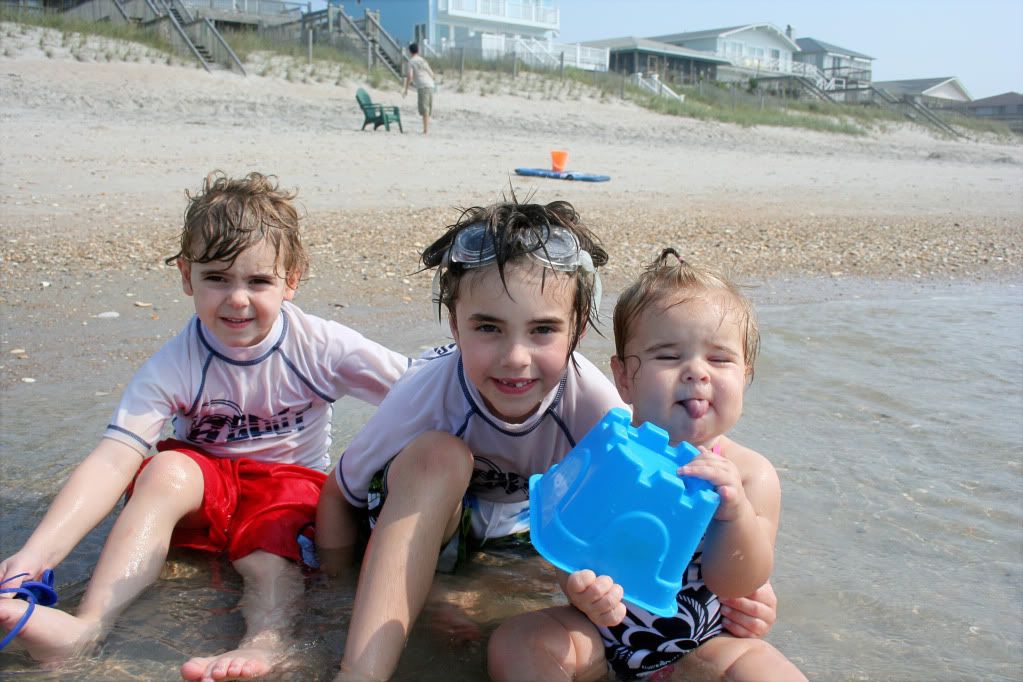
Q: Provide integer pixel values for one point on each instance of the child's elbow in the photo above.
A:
(731, 584)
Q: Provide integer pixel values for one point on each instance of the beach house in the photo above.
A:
(752, 50)
(486, 29)
(935, 93)
(672, 64)
(1006, 107)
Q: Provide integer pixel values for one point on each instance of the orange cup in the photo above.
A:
(559, 157)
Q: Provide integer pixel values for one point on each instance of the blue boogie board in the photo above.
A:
(562, 175)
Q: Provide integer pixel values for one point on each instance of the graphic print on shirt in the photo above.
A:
(233, 426)
(492, 477)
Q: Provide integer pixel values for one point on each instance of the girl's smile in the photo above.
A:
(514, 336)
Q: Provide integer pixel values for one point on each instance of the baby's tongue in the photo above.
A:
(696, 408)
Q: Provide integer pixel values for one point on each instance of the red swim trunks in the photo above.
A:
(248, 505)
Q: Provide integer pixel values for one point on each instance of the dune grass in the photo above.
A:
(105, 29)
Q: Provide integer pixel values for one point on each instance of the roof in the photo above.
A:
(814, 45)
(723, 32)
(1006, 98)
(919, 86)
(632, 43)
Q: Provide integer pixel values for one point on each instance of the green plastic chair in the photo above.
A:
(377, 114)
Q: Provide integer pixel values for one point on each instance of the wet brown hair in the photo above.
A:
(671, 281)
(227, 216)
(506, 222)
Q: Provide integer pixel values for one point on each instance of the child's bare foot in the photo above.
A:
(50, 635)
(240, 664)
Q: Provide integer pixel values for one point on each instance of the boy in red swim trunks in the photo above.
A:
(249, 383)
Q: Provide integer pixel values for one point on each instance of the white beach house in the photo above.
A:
(486, 28)
(752, 49)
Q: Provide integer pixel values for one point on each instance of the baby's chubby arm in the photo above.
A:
(336, 528)
(739, 547)
(86, 498)
(598, 597)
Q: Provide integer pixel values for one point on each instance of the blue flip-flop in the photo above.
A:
(34, 592)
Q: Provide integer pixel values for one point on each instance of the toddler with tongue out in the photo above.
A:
(685, 343)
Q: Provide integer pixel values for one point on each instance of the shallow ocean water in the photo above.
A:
(892, 411)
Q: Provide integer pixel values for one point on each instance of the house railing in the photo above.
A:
(502, 10)
(775, 67)
(208, 35)
(100, 10)
(365, 35)
(392, 53)
(428, 50)
(276, 8)
(654, 85)
(540, 53)
(533, 52)
(848, 73)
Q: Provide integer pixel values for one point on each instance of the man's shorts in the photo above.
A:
(503, 525)
(248, 505)
(425, 101)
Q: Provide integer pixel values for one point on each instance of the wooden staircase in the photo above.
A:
(912, 110)
(812, 89)
(380, 47)
(194, 36)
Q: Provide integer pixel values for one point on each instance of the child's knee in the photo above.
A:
(264, 566)
(434, 455)
(170, 472)
(529, 637)
(732, 658)
(759, 660)
(510, 644)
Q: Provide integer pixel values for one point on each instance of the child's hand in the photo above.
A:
(722, 473)
(600, 598)
(20, 563)
(752, 615)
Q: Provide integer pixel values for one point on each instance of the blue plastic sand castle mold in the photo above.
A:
(615, 505)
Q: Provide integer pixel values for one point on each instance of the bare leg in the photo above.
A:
(559, 643)
(731, 658)
(168, 489)
(425, 485)
(272, 589)
(426, 124)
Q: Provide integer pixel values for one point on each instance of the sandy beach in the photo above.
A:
(96, 156)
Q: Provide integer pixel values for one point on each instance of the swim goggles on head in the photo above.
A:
(553, 247)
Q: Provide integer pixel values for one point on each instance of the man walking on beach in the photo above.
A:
(420, 75)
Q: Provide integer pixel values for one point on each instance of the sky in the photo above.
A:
(978, 41)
